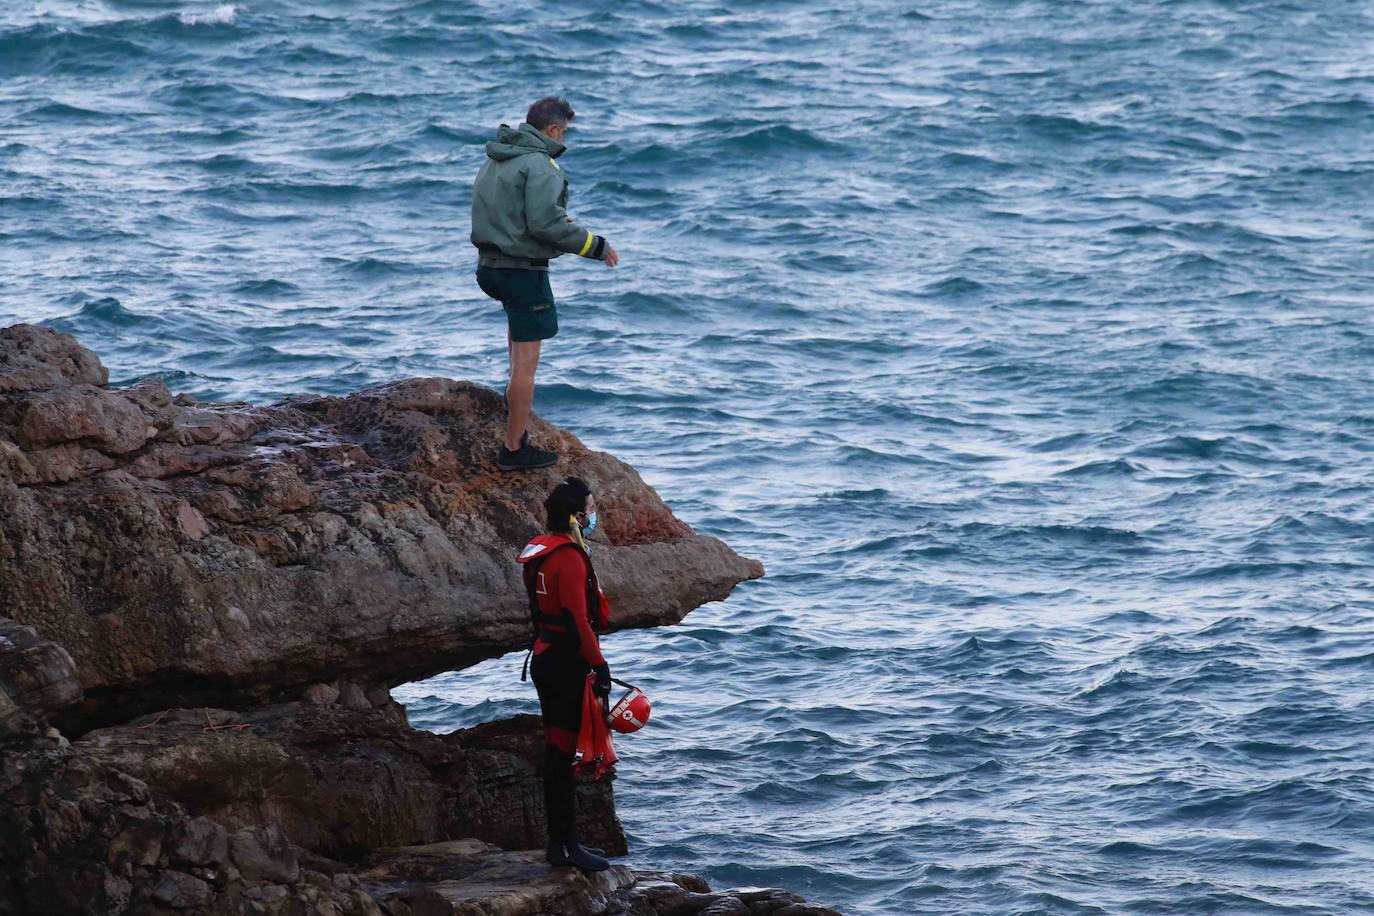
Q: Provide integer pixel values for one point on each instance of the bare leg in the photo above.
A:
(524, 360)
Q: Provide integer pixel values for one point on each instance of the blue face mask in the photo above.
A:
(588, 528)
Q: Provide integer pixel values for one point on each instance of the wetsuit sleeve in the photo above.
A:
(571, 582)
(548, 221)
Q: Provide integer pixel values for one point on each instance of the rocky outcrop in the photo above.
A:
(211, 601)
(190, 553)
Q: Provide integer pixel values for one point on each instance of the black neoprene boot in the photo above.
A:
(585, 860)
(560, 806)
(557, 806)
(560, 802)
(557, 854)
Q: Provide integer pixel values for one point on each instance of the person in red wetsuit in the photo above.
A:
(568, 611)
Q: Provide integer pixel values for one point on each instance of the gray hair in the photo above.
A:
(551, 109)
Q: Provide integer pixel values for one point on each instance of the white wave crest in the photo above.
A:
(224, 14)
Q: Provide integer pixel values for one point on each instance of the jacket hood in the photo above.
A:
(511, 142)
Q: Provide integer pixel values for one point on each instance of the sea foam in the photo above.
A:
(224, 14)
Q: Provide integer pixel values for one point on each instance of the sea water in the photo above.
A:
(1027, 343)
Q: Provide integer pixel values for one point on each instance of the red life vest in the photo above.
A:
(532, 559)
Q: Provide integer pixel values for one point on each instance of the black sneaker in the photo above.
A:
(525, 458)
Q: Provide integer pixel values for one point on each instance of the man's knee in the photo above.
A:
(559, 743)
(524, 358)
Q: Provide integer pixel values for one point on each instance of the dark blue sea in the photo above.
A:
(1029, 344)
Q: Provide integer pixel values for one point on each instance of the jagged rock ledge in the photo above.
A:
(204, 607)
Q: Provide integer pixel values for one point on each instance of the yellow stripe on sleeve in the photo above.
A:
(587, 247)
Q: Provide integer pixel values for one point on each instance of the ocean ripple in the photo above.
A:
(1028, 347)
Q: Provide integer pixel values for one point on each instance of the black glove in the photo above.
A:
(602, 685)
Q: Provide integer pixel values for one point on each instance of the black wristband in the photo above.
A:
(598, 248)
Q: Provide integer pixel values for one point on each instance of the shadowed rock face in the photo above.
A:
(189, 554)
(217, 597)
(341, 782)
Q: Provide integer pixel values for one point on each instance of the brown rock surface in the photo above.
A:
(34, 359)
(469, 878)
(213, 599)
(38, 678)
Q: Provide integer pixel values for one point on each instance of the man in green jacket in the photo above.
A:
(519, 224)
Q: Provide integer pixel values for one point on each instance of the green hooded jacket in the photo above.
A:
(519, 201)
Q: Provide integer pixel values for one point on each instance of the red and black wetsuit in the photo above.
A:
(568, 609)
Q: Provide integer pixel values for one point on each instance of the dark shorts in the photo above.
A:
(527, 298)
